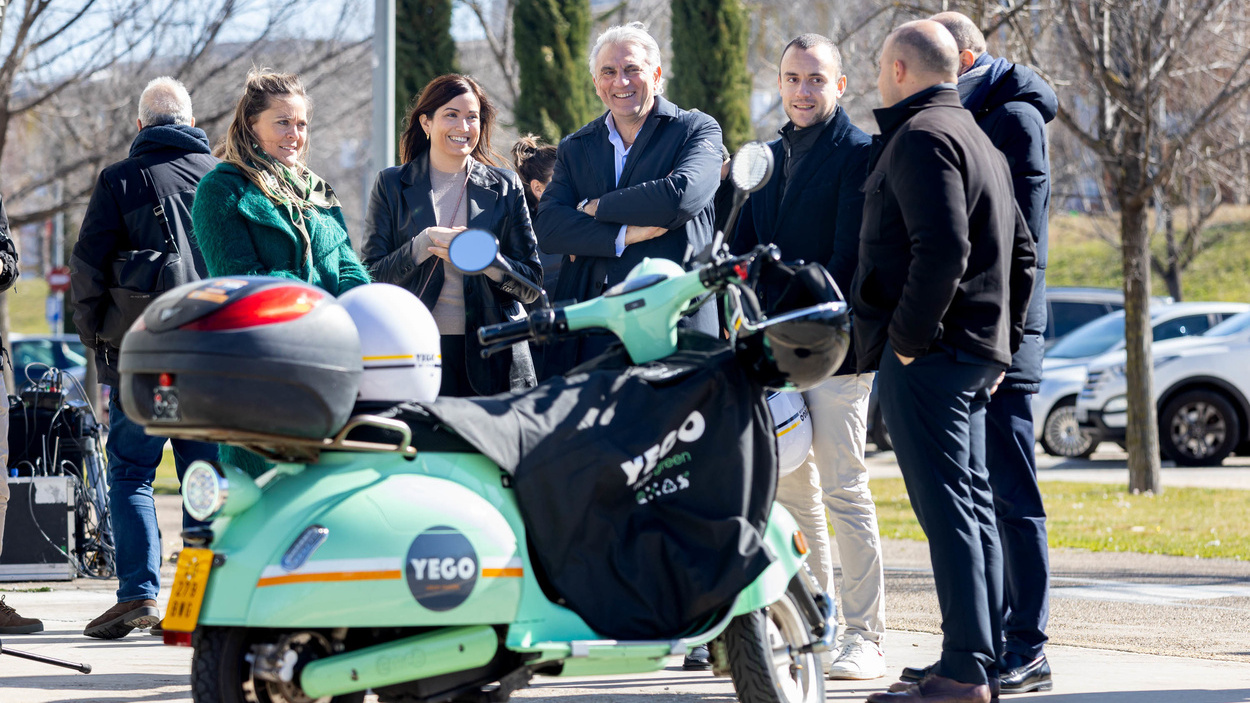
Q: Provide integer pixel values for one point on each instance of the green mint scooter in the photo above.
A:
(303, 588)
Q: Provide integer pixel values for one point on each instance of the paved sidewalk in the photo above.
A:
(137, 668)
(1118, 622)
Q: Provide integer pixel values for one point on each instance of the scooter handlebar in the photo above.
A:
(504, 332)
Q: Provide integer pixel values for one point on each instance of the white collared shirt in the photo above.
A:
(620, 152)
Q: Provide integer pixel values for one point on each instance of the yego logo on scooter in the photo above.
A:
(441, 568)
(655, 460)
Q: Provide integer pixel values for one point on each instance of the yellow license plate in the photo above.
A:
(187, 596)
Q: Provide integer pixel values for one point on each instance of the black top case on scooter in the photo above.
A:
(223, 356)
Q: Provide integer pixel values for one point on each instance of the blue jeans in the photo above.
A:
(133, 457)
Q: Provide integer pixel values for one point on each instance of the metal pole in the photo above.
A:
(84, 668)
(58, 300)
(383, 85)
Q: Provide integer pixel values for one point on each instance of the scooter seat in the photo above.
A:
(429, 434)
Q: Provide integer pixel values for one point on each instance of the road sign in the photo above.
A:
(58, 279)
(54, 310)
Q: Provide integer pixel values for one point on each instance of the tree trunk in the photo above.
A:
(1142, 439)
(1172, 270)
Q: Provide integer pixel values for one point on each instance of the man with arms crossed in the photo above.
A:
(636, 182)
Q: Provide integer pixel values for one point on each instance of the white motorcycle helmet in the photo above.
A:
(793, 425)
(399, 344)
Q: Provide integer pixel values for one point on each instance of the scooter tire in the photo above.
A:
(750, 641)
(219, 670)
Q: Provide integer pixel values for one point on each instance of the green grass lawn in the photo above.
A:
(1079, 257)
(166, 476)
(1102, 517)
(26, 305)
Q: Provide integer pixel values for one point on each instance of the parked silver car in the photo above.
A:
(1064, 367)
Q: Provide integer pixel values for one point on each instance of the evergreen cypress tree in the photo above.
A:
(551, 39)
(709, 65)
(424, 49)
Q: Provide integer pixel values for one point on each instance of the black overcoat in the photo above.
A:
(818, 217)
(945, 255)
(669, 180)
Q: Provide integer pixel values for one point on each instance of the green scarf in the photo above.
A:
(309, 189)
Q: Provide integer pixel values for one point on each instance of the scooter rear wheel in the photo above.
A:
(761, 647)
(220, 673)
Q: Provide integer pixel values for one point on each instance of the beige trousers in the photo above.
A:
(836, 478)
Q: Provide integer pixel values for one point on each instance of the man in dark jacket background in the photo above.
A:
(1012, 104)
(141, 208)
(811, 209)
(637, 182)
(940, 296)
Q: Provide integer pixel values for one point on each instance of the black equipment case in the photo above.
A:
(39, 530)
(249, 354)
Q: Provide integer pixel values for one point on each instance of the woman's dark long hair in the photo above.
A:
(534, 161)
(437, 93)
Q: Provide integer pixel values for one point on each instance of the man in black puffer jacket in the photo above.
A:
(136, 242)
(1012, 105)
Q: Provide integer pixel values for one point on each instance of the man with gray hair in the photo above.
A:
(1012, 105)
(137, 242)
(637, 182)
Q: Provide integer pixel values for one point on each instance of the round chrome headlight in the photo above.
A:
(204, 490)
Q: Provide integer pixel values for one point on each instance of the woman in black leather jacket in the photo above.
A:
(448, 182)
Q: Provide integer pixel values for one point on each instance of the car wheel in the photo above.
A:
(1199, 428)
(1063, 436)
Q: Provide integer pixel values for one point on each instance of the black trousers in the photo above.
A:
(1021, 518)
(935, 409)
(455, 376)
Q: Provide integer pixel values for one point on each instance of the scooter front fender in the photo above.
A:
(406, 544)
(770, 586)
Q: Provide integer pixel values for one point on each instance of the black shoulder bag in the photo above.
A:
(140, 276)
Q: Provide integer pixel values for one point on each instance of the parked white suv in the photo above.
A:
(1064, 368)
(1201, 389)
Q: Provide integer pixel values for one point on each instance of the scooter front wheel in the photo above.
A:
(222, 673)
(764, 659)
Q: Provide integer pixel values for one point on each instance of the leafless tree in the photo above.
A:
(1122, 59)
(72, 71)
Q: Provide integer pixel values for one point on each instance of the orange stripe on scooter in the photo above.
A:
(501, 573)
(330, 576)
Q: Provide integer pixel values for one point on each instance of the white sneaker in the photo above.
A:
(858, 659)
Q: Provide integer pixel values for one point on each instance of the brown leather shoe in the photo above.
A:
(118, 621)
(905, 681)
(933, 689)
(13, 624)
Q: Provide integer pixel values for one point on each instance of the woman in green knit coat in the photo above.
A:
(263, 212)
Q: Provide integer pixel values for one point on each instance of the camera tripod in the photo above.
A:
(84, 668)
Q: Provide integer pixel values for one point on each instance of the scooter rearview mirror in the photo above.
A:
(473, 251)
(752, 167)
